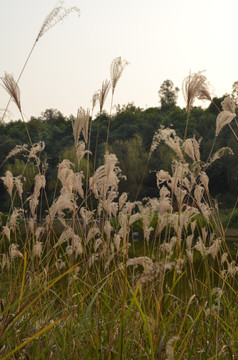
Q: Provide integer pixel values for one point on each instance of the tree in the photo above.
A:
(168, 94)
(235, 92)
(53, 117)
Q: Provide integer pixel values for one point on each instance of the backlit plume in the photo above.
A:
(12, 88)
(54, 17)
(195, 86)
(117, 67)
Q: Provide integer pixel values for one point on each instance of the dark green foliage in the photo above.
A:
(231, 220)
(130, 123)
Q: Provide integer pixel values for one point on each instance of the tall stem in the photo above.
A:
(109, 122)
(186, 127)
(19, 77)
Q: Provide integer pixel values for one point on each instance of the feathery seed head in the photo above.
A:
(14, 252)
(224, 118)
(81, 124)
(117, 67)
(224, 258)
(54, 17)
(103, 92)
(188, 148)
(229, 104)
(122, 199)
(64, 201)
(170, 349)
(40, 182)
(12, 88)
(95, 99)
(38, 249)
(170, 138)
(80, 150)
(19, 185)
(16, 150)
(106, 177)
(204, 92)
(214, 248)
(6, 231)
(194, 86)
(191, 148)
(8, 181)
(204, 180)
(59, 264)
(38, 232)
(219, 153)
(198, 193)
(38, 147)
(78, 245)
(108, 230)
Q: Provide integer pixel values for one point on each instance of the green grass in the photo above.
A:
(109, 315)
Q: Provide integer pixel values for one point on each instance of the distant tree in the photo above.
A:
(235, 92)
(168, 94)
(53, 116)
(129, 108)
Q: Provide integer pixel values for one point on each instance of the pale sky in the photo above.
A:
(161, 39)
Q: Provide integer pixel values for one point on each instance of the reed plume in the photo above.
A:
(101, 96)
(103, 92)
(95, 99)
(117, 67)
(224, 118)
(8, 181)
(229, 104)
(54, 17)
(10, 85)
(80, 124)
(195, 86)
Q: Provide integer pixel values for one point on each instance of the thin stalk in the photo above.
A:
(96, 145)
(210, 153)
(143, 176)
(124, 295)
(89, 144)
(186, 127)
(109, 122)
(19, 77)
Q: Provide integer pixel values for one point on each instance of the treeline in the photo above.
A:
(131, 134)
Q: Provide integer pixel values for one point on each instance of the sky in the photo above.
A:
(161, 39)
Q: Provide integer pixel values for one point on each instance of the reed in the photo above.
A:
(83, 289)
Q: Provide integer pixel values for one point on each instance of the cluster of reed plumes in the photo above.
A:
(78, 271)
(75, 285)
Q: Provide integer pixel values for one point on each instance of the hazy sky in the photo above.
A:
(161, 39)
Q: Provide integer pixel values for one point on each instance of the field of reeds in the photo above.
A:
(101, 277)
